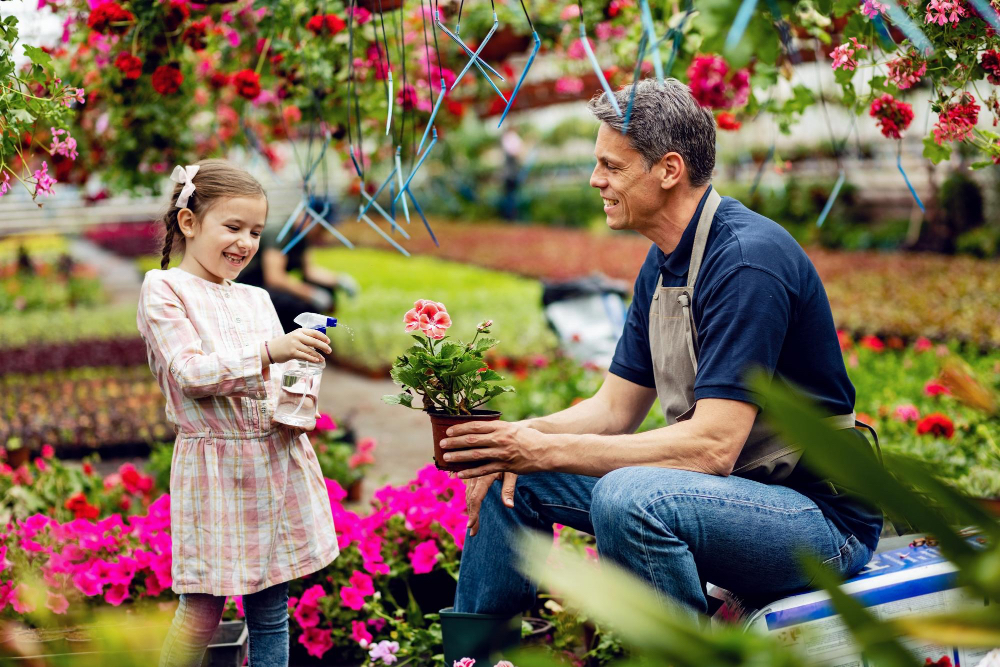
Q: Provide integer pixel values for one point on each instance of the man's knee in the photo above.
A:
(623, 497)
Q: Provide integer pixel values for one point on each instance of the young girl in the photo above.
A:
(249, 509)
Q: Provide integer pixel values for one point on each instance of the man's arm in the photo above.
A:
(619, 406)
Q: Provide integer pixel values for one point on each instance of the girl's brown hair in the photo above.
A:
(215, 180)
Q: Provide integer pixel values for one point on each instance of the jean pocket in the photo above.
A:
(850, 558)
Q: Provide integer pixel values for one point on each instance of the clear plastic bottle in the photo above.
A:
(300, 381)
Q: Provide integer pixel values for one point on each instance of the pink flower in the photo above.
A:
(569, 13)
(5, 183)
(843, 55)
(906, 72)
(19, 600)
(385, 651)
(363, 583)
(907, 413)
(943, 12)
(43, 182)
(312, 595)
(569, 85)
(361, 15)
(377, 623)
(436, 326)
(957, 120)
(65, 147)
(714, 85)
(922, 344)
(316, 641)
(411, 320)
(48, 451)
(873, 8)
(88, 583)
(576, 50)
(360, 634)
(465, 662)
(307, 616)
(424, 557)
(352, 598)
(935, 388)
(57, 603)
(116, 594)
(325, 423)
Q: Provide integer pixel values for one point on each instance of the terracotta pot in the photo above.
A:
(18, 457)
(440, 423)
(354, 491)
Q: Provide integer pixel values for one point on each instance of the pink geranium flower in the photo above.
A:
(412, 319)
(385, 651)
(843, 55)
(907, 413)
(43, 182)
(436, 326)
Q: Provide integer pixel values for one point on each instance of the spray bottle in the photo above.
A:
(300, 382)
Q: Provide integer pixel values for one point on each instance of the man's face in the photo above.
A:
(631, 194)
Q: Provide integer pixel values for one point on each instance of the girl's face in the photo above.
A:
(220, 246)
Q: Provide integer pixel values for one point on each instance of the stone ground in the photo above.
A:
(403, 436)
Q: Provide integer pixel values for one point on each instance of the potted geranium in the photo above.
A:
(451, 377)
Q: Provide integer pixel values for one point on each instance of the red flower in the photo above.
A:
(334, 24)
(944, 661)
(167, 79)
(315, 24)
(957, 120)
(81, 509)
(991, 63)
(247, 83)
(196, 34)
(714, 85)
(936, 424)
(892, 115)
(110, 17)
(130, 66)
(727, 121)
(844, 338)
(873, 343)
(177, 12)
(218, 80)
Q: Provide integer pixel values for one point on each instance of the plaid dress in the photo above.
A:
(248, 503)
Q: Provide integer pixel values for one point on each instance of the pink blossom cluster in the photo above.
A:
(944, 12)
(957, 120)
(65, 147)
(990, 62)
(363, 455)
(873, 8)
(81, 559)
(843, 55)
(714, 85)
(43, 180)
(906, 72)
(428, 316)
(5, 183)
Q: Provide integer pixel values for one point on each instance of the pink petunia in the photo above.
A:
(325, 423)
(363, 583)
(352, 598)
(424, 557)
(465, 662)
(20, 601)
(116, 594)
(316, 641)
(48, 452)
(57, 603)
(922, 344)
(360, 634)
(907, 413)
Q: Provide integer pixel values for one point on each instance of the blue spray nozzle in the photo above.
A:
(316, 321)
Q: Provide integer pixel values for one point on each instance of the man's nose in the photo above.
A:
(597, 180)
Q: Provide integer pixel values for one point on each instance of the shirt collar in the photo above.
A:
(677, 262)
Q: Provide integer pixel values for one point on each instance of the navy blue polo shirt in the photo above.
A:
(757, 302)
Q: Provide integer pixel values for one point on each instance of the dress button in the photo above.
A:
(237, 320)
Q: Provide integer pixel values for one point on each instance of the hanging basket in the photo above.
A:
(375, 6)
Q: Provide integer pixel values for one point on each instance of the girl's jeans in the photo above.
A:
(198, 616)
(673, 528)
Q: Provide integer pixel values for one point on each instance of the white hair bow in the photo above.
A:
(184, 175)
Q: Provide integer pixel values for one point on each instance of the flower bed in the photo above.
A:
(79, 411)
(130, 239)
(26, 330)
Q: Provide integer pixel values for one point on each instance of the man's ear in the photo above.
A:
(672, 170)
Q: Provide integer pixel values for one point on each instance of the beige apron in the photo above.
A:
(673, 343)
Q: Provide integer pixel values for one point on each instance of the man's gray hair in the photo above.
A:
(665, 118)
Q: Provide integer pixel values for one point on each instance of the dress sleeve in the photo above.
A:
(163, 322)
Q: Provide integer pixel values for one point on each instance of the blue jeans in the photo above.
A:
(198, 616)
(673, 528)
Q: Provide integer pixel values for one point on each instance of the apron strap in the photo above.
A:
(697, 255)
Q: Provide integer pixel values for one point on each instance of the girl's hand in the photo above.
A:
(300, 344)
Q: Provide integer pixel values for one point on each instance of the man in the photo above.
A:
(714, 496)
(294, 282)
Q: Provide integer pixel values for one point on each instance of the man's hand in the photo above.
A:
(499, 446)
(477, 488)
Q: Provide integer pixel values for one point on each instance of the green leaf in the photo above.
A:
(37, 55)
(490, 376)
(449, 350)
(982, 165)
(935, 152)
(399, 399)
(465, 367)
